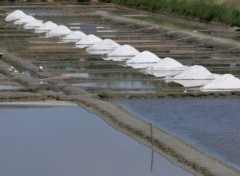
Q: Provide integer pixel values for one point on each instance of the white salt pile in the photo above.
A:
(88, 41)
(45, 27)
(195, 72)
(74, 36)
(224, 82)
(122, 53)
(33, 24)
(167, 64)
(104, 47)
(144, 57)
(162, 73)
(166, 67)
(25, 20)
(143, 60)
(192, 83)
(58, 31)
(15, 15)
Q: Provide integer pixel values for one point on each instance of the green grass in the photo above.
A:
(227, 12)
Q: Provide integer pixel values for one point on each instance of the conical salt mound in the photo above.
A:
(104, 47)
(33, 24)
(167, 64)
(195, 72)
(226, 81)
(122, 53)
(60, 30)
(15, 15)
(144, 57)
(88, 41)
(74, 36)
(124, 50)
(45, 27)
(25, 20)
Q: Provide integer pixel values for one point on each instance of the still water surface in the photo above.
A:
(60, 141)
(209, 124)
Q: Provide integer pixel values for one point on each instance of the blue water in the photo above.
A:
(69, 141)
(212, 125)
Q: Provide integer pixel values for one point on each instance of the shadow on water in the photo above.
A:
(71, 141)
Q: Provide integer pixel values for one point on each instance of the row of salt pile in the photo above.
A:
(149, 63)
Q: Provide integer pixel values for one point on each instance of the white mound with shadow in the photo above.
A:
(88, 41)
(25, 20)
(122, 53)
(58, 31)
(33, 24)
(195, 72)
(104, 47)
(74, 36)
(143, 60)
(45, 27)
(167, 64)
(224, 82)
(15, 15)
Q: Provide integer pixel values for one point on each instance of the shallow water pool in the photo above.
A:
(50, 141)
(211, 125)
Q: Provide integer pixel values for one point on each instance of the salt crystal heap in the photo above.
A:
(165, 68)
(45, 27)
(15, 15)
(167, 64)
(104, 47)
(122, 53)
(224, 82)
(74, 36)
(88, 41)
(33, 24)
(195, 72)
(143, 60)
(25, 20)
(58, 31)
(194, 76)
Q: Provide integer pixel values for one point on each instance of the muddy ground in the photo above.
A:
(26, 51)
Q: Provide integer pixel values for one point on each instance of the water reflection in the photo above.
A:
(209, 124)
(71, 141)
(130, 84)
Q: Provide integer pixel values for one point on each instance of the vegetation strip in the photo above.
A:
(226, 12)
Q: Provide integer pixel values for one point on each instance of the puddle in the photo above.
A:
(44, 11)
(109, 75)
(71, 141)
(212, 125)
(5, 87)
(160, 84)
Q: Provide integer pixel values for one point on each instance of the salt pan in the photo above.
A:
(74, 36)
(226, 82)
(45, 27)
(25, 20)
(104, 47)
(60, 30)
(195, 72)
(15, 15)
(122, 53)
(88, 41)
(33, 24)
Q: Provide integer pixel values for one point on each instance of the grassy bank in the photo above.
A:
(208, 10)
